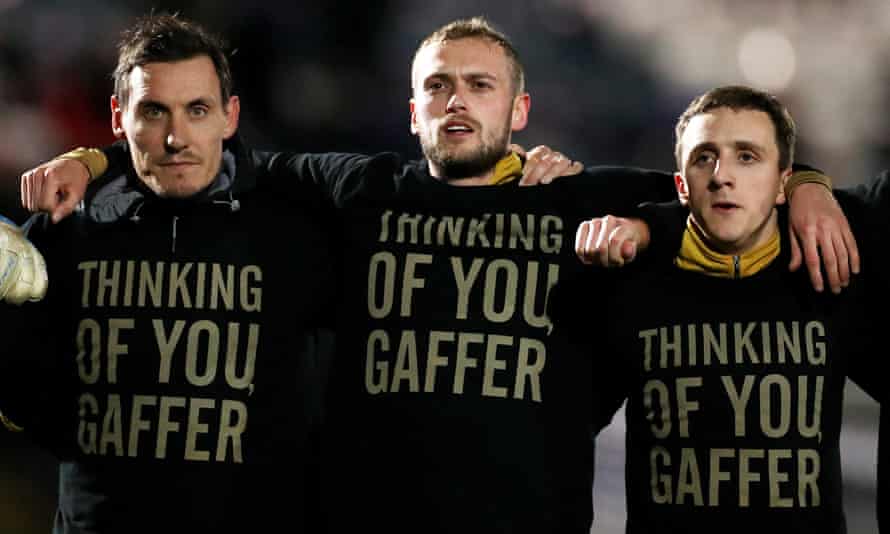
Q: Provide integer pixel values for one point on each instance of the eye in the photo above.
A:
(435, 86)
(482, 84)
(152, 112)
(747, 157)
(198, 111)
(704, 158)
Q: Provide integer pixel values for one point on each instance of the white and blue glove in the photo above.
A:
(22, 268)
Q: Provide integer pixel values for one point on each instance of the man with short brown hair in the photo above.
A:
(733, 369)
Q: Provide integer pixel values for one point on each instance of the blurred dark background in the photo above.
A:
(608, 79)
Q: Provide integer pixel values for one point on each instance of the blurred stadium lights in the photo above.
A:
(767, 59)
(827, 59)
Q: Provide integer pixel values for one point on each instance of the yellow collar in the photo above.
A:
(507, 169)
(696, 256)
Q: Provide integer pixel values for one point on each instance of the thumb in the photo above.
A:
(629, 250)
(64, 208)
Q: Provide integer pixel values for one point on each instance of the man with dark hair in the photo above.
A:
(163, 54)
(174, 364)
(733, 369)
(146, 43)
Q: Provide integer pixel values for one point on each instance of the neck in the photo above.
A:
(506, 170)
(437, 172)
(761, 235)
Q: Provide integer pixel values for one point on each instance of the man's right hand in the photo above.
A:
(22, 268)
(610, 241)
(55, 187)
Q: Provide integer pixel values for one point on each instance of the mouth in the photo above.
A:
(457, 128)
(724, 206)
(178, 164)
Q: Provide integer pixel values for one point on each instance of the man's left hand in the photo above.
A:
(543, 165)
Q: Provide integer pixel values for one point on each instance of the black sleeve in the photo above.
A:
(667, 223)
(632, 186)
(331, 173)
(868, 203)
(577, 307)
(867, 207)
(630, 192)
(876, 193)
(866, 348)
(338, 176)
(119, 160)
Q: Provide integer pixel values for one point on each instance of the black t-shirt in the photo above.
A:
(734, 392)
(452, 407)
(188, 338)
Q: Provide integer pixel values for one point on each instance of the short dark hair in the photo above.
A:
(166, 38)
(477, 28)
(738, 97)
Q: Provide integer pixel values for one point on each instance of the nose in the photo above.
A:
(722, 175)
(456, 101)
(176, 139)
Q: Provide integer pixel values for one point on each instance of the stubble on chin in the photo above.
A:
(457, 164)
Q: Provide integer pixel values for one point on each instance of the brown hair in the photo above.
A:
(738, 97)
(166, 38)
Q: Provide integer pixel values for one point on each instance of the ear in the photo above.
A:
(682, 190)
(413, 116)
(233, 111)
(521, 105)
(780, 196)
(117, 118)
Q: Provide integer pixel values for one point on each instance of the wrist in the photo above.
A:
(641, 229)
(806, 177)
(92, 159)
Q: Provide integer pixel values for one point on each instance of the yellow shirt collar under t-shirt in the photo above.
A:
(507, 169)
(696, 256)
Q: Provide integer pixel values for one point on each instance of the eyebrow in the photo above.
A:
(200, 101)
(142, 104)
(476, 75)
(738, 145)
(749, 145)
(465, 76)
